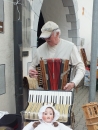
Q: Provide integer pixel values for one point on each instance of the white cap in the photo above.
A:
(48, 28)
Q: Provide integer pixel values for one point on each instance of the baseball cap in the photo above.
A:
(48, 28)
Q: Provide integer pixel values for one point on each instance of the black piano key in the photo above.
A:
(62, 99)
(47, 98)
(66, 100)
(36, 98)
(32, 98)
(51, 99)
(44, 98)
(56, 100)
(40, 98)
(69, 100)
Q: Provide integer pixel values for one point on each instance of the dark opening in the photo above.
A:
(40, 24)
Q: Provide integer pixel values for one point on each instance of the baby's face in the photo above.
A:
(48, 115)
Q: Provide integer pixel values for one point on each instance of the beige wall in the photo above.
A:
(7, 100)
(86, 24)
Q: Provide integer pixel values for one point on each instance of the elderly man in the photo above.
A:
(55, 47)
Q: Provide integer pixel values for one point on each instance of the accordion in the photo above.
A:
(61, 100)
(53, 74)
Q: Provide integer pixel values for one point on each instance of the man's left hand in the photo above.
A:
(69, 86)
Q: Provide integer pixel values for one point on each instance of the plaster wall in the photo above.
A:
(27, 20)
(86, 24)
(7, 100)
(34, 15)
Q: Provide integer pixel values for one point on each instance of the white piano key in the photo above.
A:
(30, 94)
(70, 98)
(50, 97)
(37, 98)
(66, 98)
(63, 95)
(40, 96)
(34, 98)
(57, 98)
(43, 96)
(61, 99)
(54, 97)
(29, 98)
(45, 99)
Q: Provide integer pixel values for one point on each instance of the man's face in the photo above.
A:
(53, 39)
(48, 116)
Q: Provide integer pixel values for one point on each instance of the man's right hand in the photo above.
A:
(33, 73)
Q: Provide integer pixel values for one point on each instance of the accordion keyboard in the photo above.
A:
(61, 100)
(55, 97)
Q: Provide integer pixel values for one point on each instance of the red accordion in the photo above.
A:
(54, 73)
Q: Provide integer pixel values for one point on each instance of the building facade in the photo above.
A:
(72, 16)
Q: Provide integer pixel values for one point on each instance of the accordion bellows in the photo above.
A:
(32, 83)
(32, 110)
(54, 73)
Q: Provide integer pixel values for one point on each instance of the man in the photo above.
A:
(55, 47)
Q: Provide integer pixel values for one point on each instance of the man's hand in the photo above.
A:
(69, 86)
(33, 73)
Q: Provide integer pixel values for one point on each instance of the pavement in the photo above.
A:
(81, 97)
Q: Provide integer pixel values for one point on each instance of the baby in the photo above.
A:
(47, 120)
